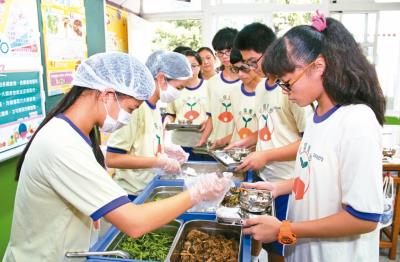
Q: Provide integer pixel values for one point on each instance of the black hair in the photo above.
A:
(196, 56)
(205, 48)
(180, 49)
(348, 78)
(255, 36)
(68, 100)
(224, 38)
(235, 56)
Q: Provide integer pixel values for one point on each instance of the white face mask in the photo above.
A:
(170, 94)
(110, 124)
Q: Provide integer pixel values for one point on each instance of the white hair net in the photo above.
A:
(120, 71)
(172, 64)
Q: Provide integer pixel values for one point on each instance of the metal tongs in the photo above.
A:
(117, 253)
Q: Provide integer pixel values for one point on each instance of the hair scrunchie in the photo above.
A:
(319, 21)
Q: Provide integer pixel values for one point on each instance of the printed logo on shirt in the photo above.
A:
(246, 123)
(158, 131)
(266, 123)
(302, 182)
(191, 104)
(226, 116)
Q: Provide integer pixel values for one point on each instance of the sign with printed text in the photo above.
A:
(21, 108)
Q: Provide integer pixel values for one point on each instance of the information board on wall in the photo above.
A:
(21, 87)
(116, 29)
(21, 108)
(64, 31)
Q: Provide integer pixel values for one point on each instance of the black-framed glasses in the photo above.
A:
(221, 53)
(287, 86)
(244, 68)
(253, 64)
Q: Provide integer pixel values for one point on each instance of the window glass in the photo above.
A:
(282, 22)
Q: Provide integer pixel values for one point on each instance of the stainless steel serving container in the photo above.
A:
(205, 167)
(163, 192)
(209, 227)
(172, 227)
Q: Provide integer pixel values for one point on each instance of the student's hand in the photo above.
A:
(169, 165)
(203, 125)
(263, 186)
(219, 143)
(201, 142)
(263, 228)
(167, 120)
(253, 161)
(209, 187)
(176, 152)
(240, 144)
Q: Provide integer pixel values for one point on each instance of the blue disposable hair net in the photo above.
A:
(172, 64)
(120, 71)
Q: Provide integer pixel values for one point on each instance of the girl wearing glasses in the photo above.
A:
(336, 195)
(280, 125)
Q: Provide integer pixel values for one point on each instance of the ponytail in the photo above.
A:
(348, 78)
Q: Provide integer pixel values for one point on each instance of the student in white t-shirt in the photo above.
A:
(137, 148)
(280, 126)
(243, 99)
(63, 186)
(336, 195)
(190, 106)
(220, 118)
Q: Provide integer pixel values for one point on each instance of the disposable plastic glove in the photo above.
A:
(176, 152)
(208, 187)
(169, 165)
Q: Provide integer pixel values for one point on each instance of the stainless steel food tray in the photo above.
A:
(172, 227)
(225, 159)
(163, 192)
(210, 227)
(183, 127)
(205, 167)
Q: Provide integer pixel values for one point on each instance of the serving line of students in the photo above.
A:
(63, 187)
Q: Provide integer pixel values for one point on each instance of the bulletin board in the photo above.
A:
(116, 29)
(64, 35)
(21, 87)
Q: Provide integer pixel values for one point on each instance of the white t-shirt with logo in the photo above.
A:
(220, 106)
(280, 122)
(190, 105)
(338, 167)
(244, 112)
(61, 190)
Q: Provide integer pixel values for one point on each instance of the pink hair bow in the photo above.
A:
(319, 21)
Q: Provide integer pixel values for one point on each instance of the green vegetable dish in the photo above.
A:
(151, 246)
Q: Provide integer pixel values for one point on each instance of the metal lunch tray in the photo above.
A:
(174, 227)
(209, 227)
(182, 127)
(163, 192)
(225, 159)
(234, 214)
